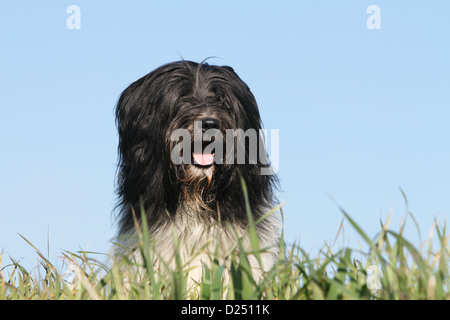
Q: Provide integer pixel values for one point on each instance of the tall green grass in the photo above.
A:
(391, 268)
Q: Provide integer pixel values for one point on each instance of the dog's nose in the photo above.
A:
(210, 123)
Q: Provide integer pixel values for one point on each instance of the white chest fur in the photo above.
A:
(198, 242)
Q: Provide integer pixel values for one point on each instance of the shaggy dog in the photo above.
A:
(201, 197)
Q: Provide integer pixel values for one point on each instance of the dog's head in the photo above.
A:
(179, 132)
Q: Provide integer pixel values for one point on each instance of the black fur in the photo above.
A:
(172, 97)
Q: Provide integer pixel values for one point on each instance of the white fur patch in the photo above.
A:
(198, 242)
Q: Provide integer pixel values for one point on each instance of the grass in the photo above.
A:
(391, 268)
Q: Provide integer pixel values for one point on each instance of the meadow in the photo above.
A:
(391, 268)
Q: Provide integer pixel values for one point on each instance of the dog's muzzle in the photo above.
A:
(202, 157)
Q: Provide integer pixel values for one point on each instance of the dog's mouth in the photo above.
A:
(203, 159)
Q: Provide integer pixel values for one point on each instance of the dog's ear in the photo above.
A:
(127, 105)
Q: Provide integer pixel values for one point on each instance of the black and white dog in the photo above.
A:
(200, 197)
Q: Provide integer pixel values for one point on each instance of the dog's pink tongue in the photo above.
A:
(203, 159)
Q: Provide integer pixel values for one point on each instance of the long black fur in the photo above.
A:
(172, 97)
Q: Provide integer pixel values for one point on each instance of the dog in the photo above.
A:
(200, 198)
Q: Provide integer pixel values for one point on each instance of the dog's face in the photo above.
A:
(209, 102)
(188, 111)
(201, 147)
(201, 163)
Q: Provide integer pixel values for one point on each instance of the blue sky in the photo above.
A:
(360, 112)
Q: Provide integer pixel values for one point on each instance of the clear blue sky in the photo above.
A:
(360, 112)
